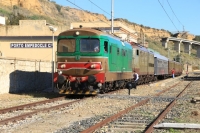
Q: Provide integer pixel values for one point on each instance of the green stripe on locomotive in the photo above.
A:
(119, 53)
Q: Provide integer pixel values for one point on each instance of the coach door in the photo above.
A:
(124, 60)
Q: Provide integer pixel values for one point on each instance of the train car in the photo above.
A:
(143, 64)
(160, 66)
(90, 61)
(177, 66)
(171, 65)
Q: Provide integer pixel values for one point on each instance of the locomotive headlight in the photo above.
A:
(62, 66)
(77, 33)
(59, 72)
(93, 66)
(99, 84)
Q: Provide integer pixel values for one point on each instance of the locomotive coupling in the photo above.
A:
(91, 79)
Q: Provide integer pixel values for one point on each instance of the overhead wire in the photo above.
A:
(168, 15)
(103, 10)
(174, 13)
(83, 10)
(98, 7)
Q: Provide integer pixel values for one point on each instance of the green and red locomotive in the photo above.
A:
(90, 61)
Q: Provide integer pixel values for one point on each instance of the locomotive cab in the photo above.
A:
(90, 61)
(79, 62)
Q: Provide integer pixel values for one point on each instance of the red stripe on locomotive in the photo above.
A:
(80, 65)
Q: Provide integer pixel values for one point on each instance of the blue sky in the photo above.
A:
(171, 15)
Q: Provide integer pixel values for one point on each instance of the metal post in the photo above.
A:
(53, 29)
(52, 60)
(168, 54)
(112, 13)
(129, 91)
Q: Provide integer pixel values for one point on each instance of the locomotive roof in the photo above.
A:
(89, 32)
(85, 31)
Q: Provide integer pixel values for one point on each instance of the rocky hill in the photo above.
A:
(15, 10)
(59, 15)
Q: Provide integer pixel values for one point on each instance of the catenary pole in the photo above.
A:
(112, 14)
(53, 29)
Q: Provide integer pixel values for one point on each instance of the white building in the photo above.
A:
(2, 20)
(119, 29)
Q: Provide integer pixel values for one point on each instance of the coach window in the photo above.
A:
(66, 45)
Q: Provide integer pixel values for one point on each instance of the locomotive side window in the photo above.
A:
(117, 51)
(66, 45)
(106, 47)
(123, 52)
(89, 45)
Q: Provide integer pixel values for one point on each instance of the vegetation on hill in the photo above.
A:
(197, 38)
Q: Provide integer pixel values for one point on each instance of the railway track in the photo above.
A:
(16, 113)
(142, 116)
(21, 112)
(91, 111)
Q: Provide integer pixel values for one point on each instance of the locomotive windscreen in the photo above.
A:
(67, 45)
(89, 45)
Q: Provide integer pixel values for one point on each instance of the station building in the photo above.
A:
(31, 39)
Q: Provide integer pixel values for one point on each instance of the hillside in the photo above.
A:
(59, 15)
(15, 10)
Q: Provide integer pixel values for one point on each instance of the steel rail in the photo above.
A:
(20, 107)
(20, 117)
(164, 113)
(121, 113)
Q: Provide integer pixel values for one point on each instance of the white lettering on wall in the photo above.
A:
(30, 45)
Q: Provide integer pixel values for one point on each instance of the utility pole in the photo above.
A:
(53, 29)
(144, 39)
(168, 54)
(112, 13)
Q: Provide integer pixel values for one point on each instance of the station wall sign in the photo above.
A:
(30, 45)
